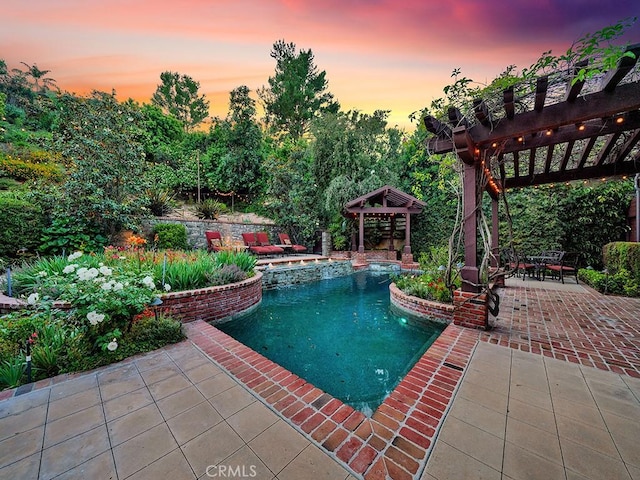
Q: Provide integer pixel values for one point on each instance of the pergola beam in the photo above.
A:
(595, 106)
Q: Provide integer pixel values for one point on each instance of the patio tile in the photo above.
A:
(449, 463)
(171, 466)
(533, 439)
(27, 467)
(576, 391)
(625, 434)
(21, 445)
(312, 464)
(481, 417)
(202, 372)
(232, 400)
(487, 379)
(73, 452)
(157, 374)
(211, 448)
(76, 385)
(482, 396)
(15, 405)
(124, 405)
(215, 385)
(532, 415)
(580, 412)
(101, 466)
(588, 436)
(143, 450)
(472, 441)
(521, 464)
(537, 398)
(123, 386)
(617, 406)
(590, 463)
(72, 425)
(278, 445)
(244, 463)
(23, 421)
(168, 386)
(135, 423)
(193, 422)
(155, 361)
(252, 421)
(179, 402)
(73, 403)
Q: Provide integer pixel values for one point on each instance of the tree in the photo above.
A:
(237, 154)
(39, 82)
(296, 93)
(353, 153)
(178, 96)
(103, 141)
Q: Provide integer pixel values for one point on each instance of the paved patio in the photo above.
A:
(562, 402)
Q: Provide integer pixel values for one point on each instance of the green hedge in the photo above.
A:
(21, 225)
(619, 256)
(170, 236)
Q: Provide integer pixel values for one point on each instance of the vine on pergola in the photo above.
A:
(467, 103)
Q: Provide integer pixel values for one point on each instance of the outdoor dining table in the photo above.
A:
(540, 263)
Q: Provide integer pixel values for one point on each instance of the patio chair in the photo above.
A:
(214, 241)
(254, 246)
(567, 265)
(285, 240)
(516, 264)
(263, 241)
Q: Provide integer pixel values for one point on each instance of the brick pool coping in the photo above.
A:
(394, 442)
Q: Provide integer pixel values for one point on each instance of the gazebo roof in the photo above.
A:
(384, 200)
(553, 131)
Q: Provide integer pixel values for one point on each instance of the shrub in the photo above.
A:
(618, 283)
(427, 286)
(170, 236)
(186, 273)
(210, 209)
(622, 256)
(245, 261)
(159, 201)
(65, 235)
(21, 224)
(8, 183)
(21, 169)
(12, 371)
(227, 274)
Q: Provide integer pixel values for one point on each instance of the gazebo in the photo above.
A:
(556, 130)
(385, 202)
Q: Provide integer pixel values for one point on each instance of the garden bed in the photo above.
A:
(214, 304)
(440, 312)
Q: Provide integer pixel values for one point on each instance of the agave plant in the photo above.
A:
(210, 209)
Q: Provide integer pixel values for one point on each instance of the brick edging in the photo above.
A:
(420, 307)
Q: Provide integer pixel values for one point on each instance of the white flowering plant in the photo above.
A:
(104, 298)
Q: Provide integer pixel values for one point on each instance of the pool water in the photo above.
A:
(341, 335)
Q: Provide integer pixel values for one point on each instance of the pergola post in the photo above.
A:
(470, 272)
(407, 234)
(361, 234)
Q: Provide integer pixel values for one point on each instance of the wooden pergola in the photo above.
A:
(552, 131)
(388, 202)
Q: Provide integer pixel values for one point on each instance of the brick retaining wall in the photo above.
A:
(215, 304)
(442, 312)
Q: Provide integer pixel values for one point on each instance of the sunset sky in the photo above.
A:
(378, 54)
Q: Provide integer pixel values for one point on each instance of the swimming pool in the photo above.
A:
(340, 334)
